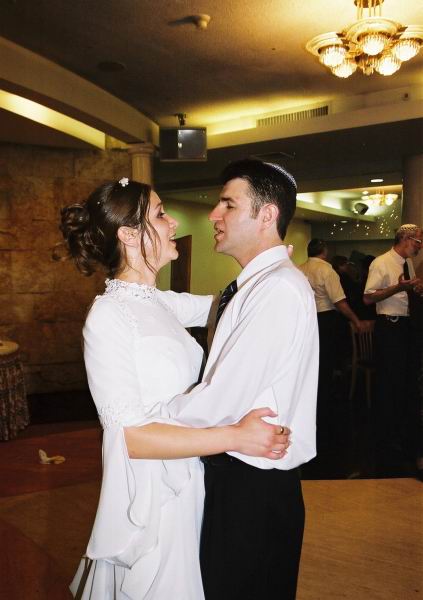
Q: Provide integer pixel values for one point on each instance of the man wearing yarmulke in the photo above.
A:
(393, 286)
(264, 353)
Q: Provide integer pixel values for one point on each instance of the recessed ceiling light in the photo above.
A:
(377, 180)
(344, 221)
(365, 193)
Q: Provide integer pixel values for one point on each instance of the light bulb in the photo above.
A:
(345, 69)
(332, 56)
(372, 43)
(390, 199)
(406, 48)
(387, 65)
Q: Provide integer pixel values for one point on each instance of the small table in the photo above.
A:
(14, 414)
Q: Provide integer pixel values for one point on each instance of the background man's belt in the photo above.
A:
(393, 318)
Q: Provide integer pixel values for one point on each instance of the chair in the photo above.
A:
(362, 359)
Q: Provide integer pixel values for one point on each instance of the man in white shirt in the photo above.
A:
(391, 284)
(264, 353)
(330, 298)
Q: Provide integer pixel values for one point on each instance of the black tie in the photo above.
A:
(406, 271)
(226, 296)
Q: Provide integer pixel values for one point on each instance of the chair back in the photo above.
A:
(362, 343)
(362, 358)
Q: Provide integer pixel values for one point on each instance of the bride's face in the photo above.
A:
(165, 227)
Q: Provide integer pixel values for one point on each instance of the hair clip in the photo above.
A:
(124, 181)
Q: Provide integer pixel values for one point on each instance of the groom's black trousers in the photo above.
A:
(252, 531)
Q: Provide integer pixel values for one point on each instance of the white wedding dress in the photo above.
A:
(145, 539)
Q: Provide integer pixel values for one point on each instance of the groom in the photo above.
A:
(264, 353)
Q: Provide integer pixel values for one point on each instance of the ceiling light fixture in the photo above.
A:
(360, 208)
(372, 44)
(381, 199)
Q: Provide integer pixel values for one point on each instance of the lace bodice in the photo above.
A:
(116, 288)
(137, 353)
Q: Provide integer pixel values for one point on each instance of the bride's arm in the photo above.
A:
(251, 436)
(191, 310)
(115, 385)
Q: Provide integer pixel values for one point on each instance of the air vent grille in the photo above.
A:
(300, 115)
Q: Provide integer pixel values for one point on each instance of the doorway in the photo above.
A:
(180, 270)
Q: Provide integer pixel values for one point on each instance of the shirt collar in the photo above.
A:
(261, 261)
(316, 258)
(397, 258)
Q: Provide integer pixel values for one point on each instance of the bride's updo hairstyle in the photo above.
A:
(90, 229)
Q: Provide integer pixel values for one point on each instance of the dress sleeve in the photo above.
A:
(191, 310)
(110, 366)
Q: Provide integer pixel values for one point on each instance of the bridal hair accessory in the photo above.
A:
(124, 181)
(281, 170)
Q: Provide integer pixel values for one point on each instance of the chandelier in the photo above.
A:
(370, 44)
(380, 199)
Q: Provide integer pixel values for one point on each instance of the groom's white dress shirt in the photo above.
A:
(264, 353)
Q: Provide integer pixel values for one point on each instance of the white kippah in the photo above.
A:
(282, 170)
(408, 228)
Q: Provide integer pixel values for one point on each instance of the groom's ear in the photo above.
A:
(269, 215)
(128, 236)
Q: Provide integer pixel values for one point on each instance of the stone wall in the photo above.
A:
(42, 302)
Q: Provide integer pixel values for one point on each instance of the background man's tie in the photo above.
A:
(406, 271)
(227, 294)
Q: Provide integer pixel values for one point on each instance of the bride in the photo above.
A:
(138, 355)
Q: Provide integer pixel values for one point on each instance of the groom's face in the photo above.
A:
(236, 231)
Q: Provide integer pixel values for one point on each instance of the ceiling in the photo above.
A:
(250, 60)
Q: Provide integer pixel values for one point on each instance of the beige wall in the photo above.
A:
(298, 235)
(42, 302)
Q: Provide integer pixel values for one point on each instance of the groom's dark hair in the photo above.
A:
(268, 184)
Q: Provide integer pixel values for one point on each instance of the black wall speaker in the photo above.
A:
(183, 143)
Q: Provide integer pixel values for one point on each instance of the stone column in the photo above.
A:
(142, 161)
(412, 208)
